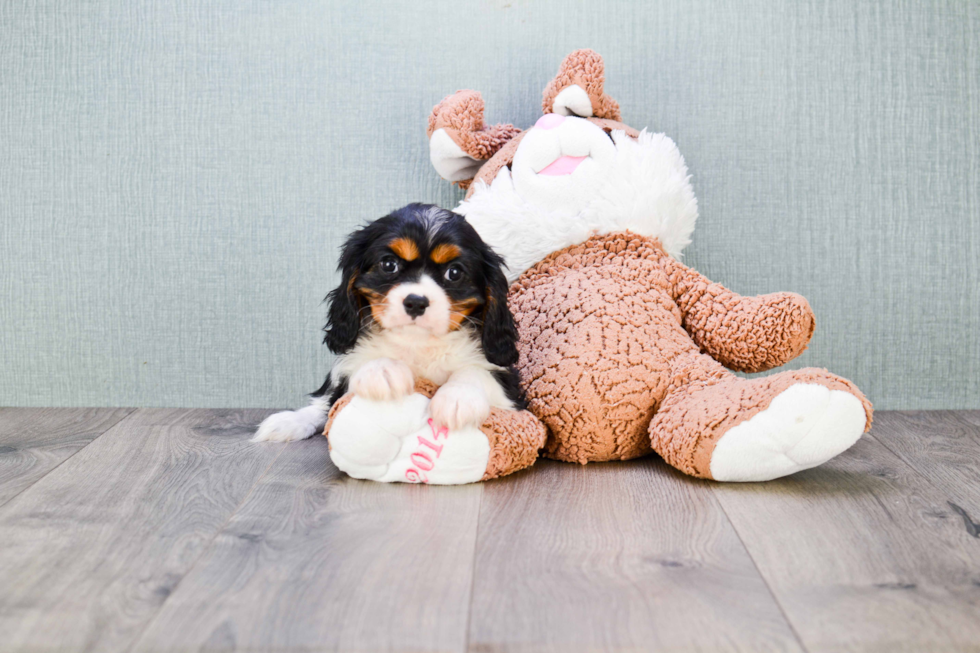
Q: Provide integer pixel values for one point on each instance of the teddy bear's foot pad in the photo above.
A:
(804, 426)
(394, 441)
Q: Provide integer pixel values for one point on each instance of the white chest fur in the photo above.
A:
(432, 357)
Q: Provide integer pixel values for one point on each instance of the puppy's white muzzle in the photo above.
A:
(422, 303)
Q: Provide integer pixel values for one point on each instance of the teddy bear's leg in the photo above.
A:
(713, 424)
(395, 441)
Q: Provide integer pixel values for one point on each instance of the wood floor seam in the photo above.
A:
(91, 554)
(912, 468)
(755, 563)
(204, 550)
(920, 473)
(26, 488)
(172, 532)
(868, 542)
(476, 545)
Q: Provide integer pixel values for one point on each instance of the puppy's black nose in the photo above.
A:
(415, 305)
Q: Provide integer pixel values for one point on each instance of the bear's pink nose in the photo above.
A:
(549, 121)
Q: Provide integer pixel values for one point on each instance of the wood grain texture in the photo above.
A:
(971, 416)
(615, 556)
(33, 441)
(943, 446)
(171, 532)
(91, 551)
(863, 553)
(317, 561)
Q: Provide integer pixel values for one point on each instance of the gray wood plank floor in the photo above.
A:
(165, 529)
(33, 441)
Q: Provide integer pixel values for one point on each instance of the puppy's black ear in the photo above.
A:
(344, 314)
(343, 317)
(499, 331)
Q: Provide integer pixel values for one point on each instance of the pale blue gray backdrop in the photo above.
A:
(175, 177)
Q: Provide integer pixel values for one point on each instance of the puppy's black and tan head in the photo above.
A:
(421, 268)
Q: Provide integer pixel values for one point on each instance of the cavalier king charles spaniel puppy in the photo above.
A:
(420, 295)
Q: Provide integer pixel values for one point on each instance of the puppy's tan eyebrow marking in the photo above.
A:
(405, 248)
(443, 253)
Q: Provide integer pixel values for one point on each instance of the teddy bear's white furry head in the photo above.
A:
(570, 179)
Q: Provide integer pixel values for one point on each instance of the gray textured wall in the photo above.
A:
(175, 178)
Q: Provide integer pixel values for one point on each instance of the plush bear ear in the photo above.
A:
(577, 89)
(459, 140)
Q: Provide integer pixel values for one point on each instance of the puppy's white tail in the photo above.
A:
(290, 425)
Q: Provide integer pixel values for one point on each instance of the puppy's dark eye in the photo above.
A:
(389, 265)
(453, 273)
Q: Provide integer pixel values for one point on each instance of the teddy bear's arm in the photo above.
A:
(745, 334)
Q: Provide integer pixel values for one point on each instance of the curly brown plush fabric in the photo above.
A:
(586, 69)
(515, 436)
(615, 338)
(461, 115)
(745, 334)
(696, 413)
(488, 171)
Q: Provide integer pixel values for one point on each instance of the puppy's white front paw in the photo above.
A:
(383, 379)
(287, 426)
(456, 405)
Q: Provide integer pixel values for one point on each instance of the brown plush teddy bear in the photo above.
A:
(624, 351)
